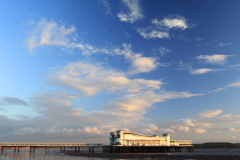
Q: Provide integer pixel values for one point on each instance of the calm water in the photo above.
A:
(40, 154)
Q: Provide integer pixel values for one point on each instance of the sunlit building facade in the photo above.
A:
(122, 138)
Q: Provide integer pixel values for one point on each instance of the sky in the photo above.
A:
(73, 71)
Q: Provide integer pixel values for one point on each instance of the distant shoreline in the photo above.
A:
(217, 145)
(153, 155)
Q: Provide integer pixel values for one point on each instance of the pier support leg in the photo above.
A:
(75, 149)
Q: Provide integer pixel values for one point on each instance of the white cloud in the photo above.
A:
(163, 27)
(226, 44)
(93, 78)
(235, 84)
(135, 12)
(143, 64)
(217, 90)
(210, 113)
(188, 122)
(234, 129)
(199, 130)
(93, 130)
(52, 34)
(139, 64)
(152, 33)
(203, 70)
(140, 102)
(214, 59)
(178, 22)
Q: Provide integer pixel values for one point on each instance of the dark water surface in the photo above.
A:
(41, 154)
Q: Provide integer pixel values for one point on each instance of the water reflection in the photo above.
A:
(39, 154)
(42, 154)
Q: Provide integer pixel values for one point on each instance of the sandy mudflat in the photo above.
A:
(155, 155)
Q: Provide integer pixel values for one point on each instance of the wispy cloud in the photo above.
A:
(107, 7)
(50, 33)
(139, 63)
(93, 78)
(134, 11)
(217, 90)
(214, 59)
(235, 84)
(235, 65)
(162, 28)
(140, 102)
(153, 33)
(210, 113)
(226, 44)
(203, 71)
(183, 66)
(163, 51)
(177, 22)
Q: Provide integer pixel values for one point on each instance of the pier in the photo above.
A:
(48, 146)
(92, 148)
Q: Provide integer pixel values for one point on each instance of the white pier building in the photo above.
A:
(121, 138)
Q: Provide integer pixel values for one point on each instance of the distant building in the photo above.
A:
(133, 139)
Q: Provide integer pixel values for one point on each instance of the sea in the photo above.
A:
(41, 154)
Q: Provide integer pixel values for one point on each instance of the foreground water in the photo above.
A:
(41, 154)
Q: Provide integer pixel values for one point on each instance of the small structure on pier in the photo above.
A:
(121, 138)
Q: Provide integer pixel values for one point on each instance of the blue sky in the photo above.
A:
(74, 71)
